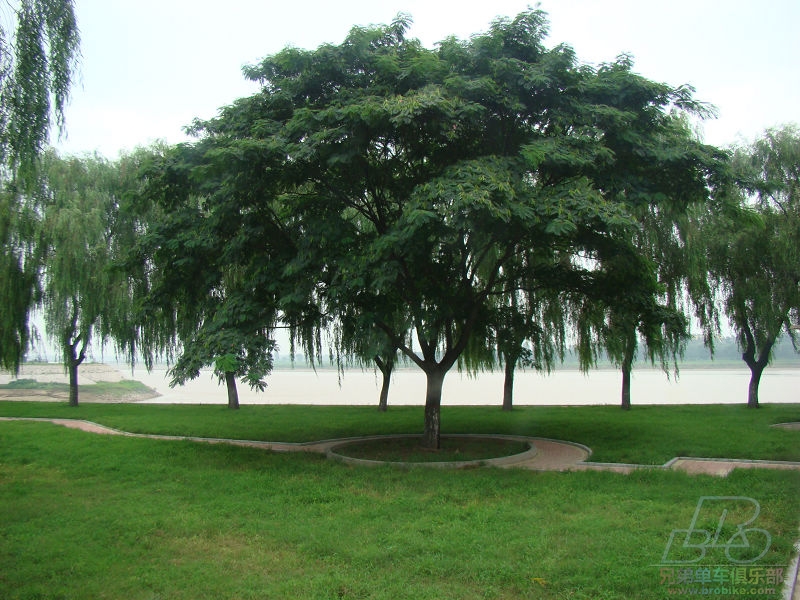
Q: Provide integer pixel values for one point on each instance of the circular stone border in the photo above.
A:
(790, 426)
(448, 464)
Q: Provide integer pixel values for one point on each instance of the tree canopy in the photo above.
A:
(396, 189)
(407, 191)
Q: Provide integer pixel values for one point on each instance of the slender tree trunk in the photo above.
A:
(756, 366)
(433, 402)
(627, 367)
(383, 401)
(233, 393)
(72, 340)
(73, 381)
(74, 360)
(508, 382)
(385, 367)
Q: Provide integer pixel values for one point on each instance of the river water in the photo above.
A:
(562, 387)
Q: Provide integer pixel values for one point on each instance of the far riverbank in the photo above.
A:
(326, 386)
(562, 387)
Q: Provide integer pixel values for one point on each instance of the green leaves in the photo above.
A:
(227, 363)
(37, 63)
(376, 190)
(574, 152)
(39, 68)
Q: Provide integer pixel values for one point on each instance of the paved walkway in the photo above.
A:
(548, 455)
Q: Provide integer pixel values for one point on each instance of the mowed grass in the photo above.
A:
(644, 435)
(91, 516)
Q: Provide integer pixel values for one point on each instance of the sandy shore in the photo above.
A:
(88, 374)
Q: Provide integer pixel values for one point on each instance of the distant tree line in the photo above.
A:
(490, 202)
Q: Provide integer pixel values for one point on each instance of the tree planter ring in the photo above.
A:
(447, 464)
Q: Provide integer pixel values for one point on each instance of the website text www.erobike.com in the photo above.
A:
(722, 531)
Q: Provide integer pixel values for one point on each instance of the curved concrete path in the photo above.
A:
(549, 455)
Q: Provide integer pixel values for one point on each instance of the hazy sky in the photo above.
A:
(150, 67)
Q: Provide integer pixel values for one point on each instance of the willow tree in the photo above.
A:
(37, 67)
(361, 344)
(409, 181)
(18, 281)
(755, 254)
(232, 336)
(662, 174)
(38, 57)
(81, 291)
(530, 332)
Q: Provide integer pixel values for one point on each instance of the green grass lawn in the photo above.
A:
(91, 516)
(645, 435)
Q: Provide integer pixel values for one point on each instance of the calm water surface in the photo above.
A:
(564, 387)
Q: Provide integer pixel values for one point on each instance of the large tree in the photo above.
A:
(38, 57)
(755, 253)
(409, 184)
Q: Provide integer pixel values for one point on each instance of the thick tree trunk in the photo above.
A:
(626, 387)
(233, 394)
(508, 382)
(752, 389)
(433, 402)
